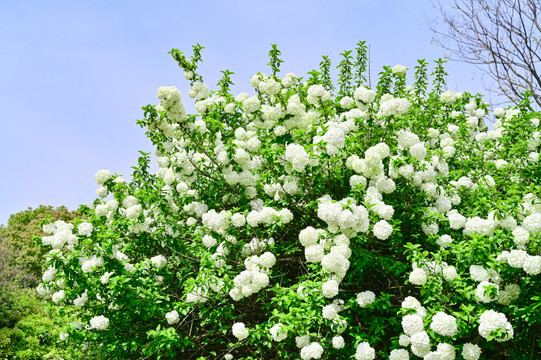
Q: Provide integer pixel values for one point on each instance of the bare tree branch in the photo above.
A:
(502, 38)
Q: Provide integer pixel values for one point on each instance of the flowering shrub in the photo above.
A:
(310, 222)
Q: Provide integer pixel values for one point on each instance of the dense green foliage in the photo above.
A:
(29, 326)
(300, 223)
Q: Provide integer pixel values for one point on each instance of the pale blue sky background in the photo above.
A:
(75, 74)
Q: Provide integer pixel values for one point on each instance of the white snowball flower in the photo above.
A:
(365, 298)
(330, 288)
(58, 296)
(365, 352)
(532, 265)
(399, 354)
(532, 223)
(99, 323)
(471, 351)
(312, 351)
(85, 229)
(450, 273)
(404, 340)
(240, 331)
(418, 277)
(102, 176)
(172, 317)
(382, 230)
(278, 332)
(399, 70)
(296, 154)
(412, 324)
(483, 294)
(516, 258)
(446, 351)
(490, 321)
(302, 341)
(338, 342)
(159, 261)
(478, 273)
(444, 324)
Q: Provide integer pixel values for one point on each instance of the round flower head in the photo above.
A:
(404, 340)
(444, 324)
(382, 230)
(240, 331)
(399, 354)
(491, 321)
(172, 317)
(102, 176)
(365, 352)
(302, 341)
(446, 351)
(99, 323)
(330, 288)
(471, 351)
(312, 351)
(412, 324)
(338, 342)
(418, 277)
(365, 298)
(278, 332)
(399, 70)
(58, 296)
(159, 261)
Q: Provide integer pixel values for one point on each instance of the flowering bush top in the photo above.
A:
(300, 221)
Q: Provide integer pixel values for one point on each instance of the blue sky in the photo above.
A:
(75, 74)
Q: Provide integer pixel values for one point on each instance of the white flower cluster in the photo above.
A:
(49, 274)
(382, 230)
(365, 352)
(89, 264)
(364, 95)
(399, 354)
(345, 215)
(240, 331)
(62, 235)
(418, 277)
(444, 324)
(217, 222)
(171, 101)
(412, 324)
(311, 351)
(278, 332)
(389, 106)
(81, 300)
(521, 259)
(172, 317)
(198, 91)
(99, 323)
(365, 298)
(399, 70)
(102, 176)
(448, 97)
(254, 278)
(471, 351)
(317, 93)
(490, 321)
(268, 216)
(85, 229)
(159, 261)
(330, 311)
(58, 296)
(335, 136)
(338, 342)
(298, 157)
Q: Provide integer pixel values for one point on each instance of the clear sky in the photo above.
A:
(75, 74)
